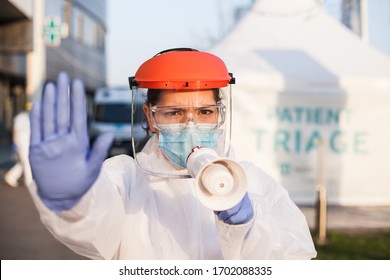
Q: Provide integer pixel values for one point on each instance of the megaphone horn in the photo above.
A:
(221, 183)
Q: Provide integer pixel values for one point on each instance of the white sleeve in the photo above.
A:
(278, 229)
(93, 228)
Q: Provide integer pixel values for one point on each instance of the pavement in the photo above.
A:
(23, 237)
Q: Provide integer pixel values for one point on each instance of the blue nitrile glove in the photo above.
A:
(239, 214)
(63, 166)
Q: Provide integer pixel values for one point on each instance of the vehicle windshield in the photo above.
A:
(116, 113)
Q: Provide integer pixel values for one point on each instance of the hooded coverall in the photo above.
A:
(128, 214)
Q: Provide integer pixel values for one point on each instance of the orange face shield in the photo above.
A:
(177, 79)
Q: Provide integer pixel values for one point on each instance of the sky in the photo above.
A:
(137, 30)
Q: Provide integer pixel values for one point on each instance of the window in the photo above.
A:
(87, 30)
(78, 25)
(113, 113)
(99, 37)
(66, 14)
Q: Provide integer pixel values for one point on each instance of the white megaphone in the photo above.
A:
(221, 183)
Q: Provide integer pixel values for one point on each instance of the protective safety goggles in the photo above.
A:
(205, 117)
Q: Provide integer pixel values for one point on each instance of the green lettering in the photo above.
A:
(298, 113)
(332, 116)
(298, 140)
(313, 141)
(335, 142)
(258, 134)
(285, 168)
(360, 141)
(317, 115)
(286, 115)
(281, 140)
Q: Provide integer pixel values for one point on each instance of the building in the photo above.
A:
(368, 19)
(40, 38)
(312, 103)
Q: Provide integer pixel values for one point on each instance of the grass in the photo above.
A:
(363, 245)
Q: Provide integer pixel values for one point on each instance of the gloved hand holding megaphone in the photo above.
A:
(221, 185)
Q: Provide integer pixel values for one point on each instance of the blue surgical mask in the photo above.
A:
(177, 143)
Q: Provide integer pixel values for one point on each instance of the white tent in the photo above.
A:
(302, 79)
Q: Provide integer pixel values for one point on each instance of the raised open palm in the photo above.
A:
(63, 165)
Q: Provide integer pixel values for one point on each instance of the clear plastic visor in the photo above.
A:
(174, 122)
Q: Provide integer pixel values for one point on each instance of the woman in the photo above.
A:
(146, 207)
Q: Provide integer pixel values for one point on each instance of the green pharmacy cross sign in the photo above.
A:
(54, 31)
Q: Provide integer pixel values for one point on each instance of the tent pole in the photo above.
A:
(321, 202)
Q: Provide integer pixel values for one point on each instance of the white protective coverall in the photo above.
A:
(128, 214)
(21, 138)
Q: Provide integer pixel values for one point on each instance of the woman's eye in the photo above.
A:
(173, 113)
(206, 111)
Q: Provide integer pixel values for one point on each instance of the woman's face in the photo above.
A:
(182, 99)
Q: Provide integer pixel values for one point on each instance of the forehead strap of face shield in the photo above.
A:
(182, 68)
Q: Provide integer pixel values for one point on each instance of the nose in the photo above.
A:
(189, 115)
